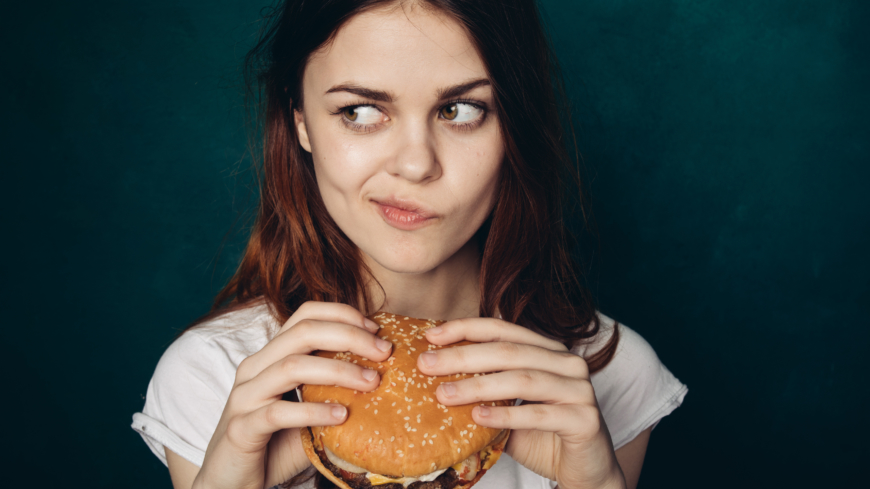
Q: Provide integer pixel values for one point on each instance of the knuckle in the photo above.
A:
(507, 349)
(539, 411)
(236, 430)
(245, 370)
(308, 413)
(233, 404)
(273, 415)
(590, 418)
(587, 391)
(307, 307)
(576, 365)
(525, 378)
(290, 363)
(475, 385)
(304, 326)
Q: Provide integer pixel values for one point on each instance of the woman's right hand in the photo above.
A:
(256, 443)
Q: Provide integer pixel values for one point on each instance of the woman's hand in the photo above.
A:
(560, 434)
(256, 443)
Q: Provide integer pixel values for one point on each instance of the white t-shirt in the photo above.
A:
(193, 379)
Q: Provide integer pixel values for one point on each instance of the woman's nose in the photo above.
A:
(415, 157)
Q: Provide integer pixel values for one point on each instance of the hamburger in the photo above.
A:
(399, 436)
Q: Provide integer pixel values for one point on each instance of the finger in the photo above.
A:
(502, 355)
(530, 385)
(488, 329)
(309, 335)
(293, 370)
(566, 420)
(330, 311)
(251, 432)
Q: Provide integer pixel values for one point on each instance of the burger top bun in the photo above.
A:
(400, 428)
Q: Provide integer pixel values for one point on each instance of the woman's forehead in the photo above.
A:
(408, 52)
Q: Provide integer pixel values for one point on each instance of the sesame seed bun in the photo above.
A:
(400, 429)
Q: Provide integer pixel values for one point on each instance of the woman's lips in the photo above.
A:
(403, 216)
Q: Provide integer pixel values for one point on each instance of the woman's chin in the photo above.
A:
(403, 262)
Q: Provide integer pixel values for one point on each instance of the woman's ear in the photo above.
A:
(301, 130)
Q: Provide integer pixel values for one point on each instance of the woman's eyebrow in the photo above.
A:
(387, 97)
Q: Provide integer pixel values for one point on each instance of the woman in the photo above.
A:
(413, 163)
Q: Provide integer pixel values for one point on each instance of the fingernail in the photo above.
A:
(448, 389)
(383, 345)
(435, 330)
(429, 358)
(369, 374)
(483, 411)
(338, 412)
(371, 325)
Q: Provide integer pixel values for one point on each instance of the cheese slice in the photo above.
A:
(377, 479)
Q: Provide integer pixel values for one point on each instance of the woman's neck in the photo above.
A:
(450, 291)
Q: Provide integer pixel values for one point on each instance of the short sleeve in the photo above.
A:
(635, 390)
(185, 398)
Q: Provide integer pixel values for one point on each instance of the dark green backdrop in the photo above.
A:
(728, 141)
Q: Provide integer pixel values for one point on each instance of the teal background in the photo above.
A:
(726, 143)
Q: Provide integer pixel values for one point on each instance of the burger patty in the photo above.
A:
(447, 480)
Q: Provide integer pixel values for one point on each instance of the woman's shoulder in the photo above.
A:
(635, 390)
(211, 351)
(242, 331)
(631, 344)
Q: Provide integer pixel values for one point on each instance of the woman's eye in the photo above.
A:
(460, 112)
(362, 114)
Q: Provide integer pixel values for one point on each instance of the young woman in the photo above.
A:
(413, 162)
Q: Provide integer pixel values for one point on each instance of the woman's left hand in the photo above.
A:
(558, 432)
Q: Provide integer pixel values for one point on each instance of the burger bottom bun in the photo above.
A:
(308, 445)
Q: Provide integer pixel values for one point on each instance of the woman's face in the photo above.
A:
(398, 116)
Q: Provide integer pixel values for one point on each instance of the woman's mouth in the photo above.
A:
(404, 215)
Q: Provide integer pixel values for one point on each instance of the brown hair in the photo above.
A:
(297, 253)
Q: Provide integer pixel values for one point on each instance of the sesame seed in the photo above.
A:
(464, 441)
(377, 432)
(360, 427)
(407, 417)
(414, 430)
(456, 441)
(400, 411)
(457, 451)
(392, 438)
(370, 440)
(442, 427)
(426, 435)
(401, 454)
(376, 403)
(380, 442)
(376, 411)
(471, 435)
(367, 406)
(419, 403)
(434, 436)
(411, 445)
